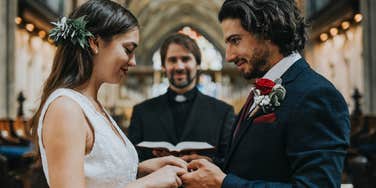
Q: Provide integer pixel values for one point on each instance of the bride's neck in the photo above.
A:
(89, 89)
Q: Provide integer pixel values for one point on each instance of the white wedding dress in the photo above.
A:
(110, 164)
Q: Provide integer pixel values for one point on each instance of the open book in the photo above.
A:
(182, 146)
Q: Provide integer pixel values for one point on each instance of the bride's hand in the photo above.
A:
(166, 177)
(151, 165)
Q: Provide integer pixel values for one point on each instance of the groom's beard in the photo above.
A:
(181, 84)
(258, 72)
(259, 62)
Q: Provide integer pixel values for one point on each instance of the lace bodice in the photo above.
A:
(110, 164)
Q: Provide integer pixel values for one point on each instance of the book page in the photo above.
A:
(157, 145)
(193, 146)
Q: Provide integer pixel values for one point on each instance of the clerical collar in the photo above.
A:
(187, 96)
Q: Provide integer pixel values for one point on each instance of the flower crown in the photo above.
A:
(72, 30)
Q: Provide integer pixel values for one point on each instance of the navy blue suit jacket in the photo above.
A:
(304, 147)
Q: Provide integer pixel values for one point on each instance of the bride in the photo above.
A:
(79, 143)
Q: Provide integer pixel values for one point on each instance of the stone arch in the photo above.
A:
(160, 18)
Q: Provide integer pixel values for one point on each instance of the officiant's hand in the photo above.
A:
(194, 156)
(161, 152)
(151, 165)
(204, 174)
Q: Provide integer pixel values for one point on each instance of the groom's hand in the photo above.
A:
(203, 174)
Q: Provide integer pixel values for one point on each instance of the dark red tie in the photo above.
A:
(244, 113)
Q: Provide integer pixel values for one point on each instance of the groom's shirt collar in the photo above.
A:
(281, 67)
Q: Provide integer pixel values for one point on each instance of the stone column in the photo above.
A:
(8, 12)
(368, 8)
(3, 59)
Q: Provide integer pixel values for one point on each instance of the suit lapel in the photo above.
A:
(166, 118)
(249, 116)
(234, 125)
(243, 129)
(194, 115)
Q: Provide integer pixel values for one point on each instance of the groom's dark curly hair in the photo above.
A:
(277, 20)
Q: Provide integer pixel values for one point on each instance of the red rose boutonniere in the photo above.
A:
(264, 85)
(268, 94)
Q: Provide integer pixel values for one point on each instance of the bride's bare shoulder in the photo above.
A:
(64, 117)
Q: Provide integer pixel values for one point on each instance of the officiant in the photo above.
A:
(183, 113)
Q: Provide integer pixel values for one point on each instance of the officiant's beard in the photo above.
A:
(181, 84)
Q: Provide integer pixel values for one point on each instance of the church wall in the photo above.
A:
(340, 60)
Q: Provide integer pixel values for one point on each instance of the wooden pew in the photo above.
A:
(20, 128)
(6, 134)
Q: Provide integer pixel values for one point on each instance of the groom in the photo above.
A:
(294, 129)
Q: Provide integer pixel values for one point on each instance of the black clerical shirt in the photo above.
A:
(181, 109)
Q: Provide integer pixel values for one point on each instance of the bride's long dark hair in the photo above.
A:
(72, 65)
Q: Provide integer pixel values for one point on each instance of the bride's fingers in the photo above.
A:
(175, 161)
(178, 181)
(177, 170)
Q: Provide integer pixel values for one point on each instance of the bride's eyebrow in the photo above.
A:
(131, 46)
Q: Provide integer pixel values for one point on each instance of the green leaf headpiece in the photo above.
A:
(72, 30)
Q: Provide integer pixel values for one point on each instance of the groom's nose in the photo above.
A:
(230, 55)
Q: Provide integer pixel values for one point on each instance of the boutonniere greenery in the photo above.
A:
(268, 94)
(72, 30)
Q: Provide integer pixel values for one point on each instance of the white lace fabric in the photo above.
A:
(112, 162)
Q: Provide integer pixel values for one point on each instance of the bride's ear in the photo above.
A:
(94, 47)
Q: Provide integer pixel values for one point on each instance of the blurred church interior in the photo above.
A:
(341, 47)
